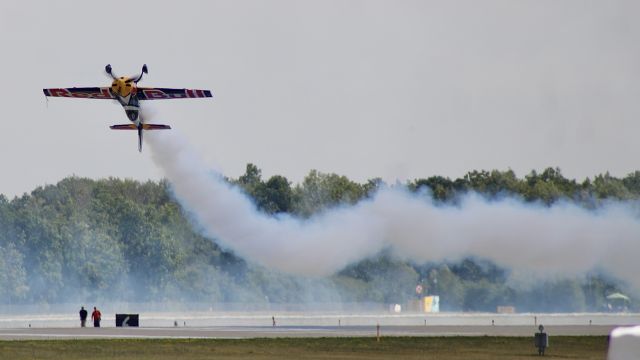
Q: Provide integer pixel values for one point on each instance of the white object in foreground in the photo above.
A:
(624, 343)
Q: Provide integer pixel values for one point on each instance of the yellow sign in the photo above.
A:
(431, 304)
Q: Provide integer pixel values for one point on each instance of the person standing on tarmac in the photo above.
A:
(96, 316)
(83, 317)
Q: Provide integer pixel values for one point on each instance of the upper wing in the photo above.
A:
(82, 93)
(165, 93)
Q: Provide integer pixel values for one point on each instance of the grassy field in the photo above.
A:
(565, 347)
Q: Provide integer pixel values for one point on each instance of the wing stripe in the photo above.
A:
(167, 93)
(81, 93)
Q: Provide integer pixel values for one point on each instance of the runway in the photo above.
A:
(195, 325)
(229, 332)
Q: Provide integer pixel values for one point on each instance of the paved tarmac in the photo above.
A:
(229, 325)
(243, 332)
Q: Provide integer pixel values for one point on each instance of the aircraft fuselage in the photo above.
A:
(125, 91)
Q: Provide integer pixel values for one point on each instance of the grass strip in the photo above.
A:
(447, 348)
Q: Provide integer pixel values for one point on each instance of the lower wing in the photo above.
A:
(81, 93)
(165, 93)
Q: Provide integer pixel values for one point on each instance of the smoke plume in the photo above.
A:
(557, 241)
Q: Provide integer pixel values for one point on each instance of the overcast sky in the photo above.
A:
(391, 89)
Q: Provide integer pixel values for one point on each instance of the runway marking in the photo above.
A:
(238, 329)
(73, 336)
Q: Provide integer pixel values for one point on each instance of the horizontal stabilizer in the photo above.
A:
(140, 129)
(144, 127)
(123, 127)
(155, 127)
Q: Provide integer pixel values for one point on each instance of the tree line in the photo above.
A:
(115, 239)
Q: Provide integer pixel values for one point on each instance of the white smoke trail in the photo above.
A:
(563, 240)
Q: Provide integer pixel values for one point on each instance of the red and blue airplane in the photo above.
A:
(126, 91)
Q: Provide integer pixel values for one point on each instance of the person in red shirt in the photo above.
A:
(96, 316)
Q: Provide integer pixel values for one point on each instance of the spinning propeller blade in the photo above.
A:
(109, 71)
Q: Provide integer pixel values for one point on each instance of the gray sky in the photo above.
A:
(396, 89)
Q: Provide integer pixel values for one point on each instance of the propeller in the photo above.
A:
(108, 70)
(135, 78)
(144, 71)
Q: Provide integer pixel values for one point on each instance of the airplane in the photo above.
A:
(126, 91)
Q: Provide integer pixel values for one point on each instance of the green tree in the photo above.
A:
(607, 186)
(251, 179)
(13, 276)
(320, 191)
(276, 195)
(632, 183)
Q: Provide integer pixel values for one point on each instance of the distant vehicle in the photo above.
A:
(125, 90)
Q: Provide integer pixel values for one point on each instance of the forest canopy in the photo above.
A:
(115, 239)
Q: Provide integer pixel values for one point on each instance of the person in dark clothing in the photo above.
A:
(83, 317)
(96, 316)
